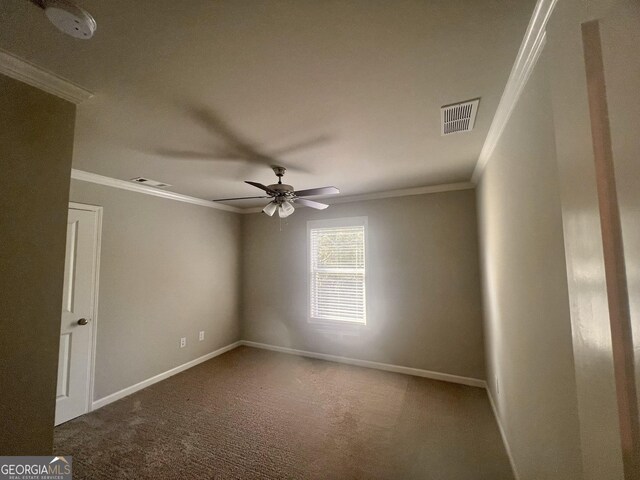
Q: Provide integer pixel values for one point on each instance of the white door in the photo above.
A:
(76, 332)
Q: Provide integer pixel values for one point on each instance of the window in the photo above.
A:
(337, 270)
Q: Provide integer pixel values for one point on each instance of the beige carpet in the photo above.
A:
(256, 414)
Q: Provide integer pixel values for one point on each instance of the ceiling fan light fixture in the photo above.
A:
(285, 209)
(270, 208)
(283, 196)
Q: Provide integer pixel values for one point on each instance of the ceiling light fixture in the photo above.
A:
(284, 196)
(270, 208)
(285, 209)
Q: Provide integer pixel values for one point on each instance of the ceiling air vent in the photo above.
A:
(459, 117)
(148, 181)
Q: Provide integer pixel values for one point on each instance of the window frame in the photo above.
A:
(337, 223)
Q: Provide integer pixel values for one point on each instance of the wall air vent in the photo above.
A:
(458, 117)
(148, 181)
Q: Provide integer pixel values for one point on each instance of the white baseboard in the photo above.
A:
(473, 382)
(503, 434)
(150, 381)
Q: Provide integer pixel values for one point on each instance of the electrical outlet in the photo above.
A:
(183, 342)
(201, 335)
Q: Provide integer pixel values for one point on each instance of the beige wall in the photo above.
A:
(36, 142)
(168, 270)
(424, 307)
(530, 365)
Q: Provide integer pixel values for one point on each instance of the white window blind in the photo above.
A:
(338, 273)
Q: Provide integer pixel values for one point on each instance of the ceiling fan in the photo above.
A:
(284, 196)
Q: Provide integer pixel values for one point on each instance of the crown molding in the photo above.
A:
(24, 71)
(135, 187)
(532, 44)
(405, 192)
(156, 192)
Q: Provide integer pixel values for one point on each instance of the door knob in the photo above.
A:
(83, 321)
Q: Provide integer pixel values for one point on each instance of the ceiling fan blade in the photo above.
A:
(317, 191)
(237, 198)
(261, 187)
(311, 203)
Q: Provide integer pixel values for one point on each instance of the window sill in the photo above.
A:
(336, 324)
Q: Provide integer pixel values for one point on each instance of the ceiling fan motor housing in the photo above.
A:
(282, 189)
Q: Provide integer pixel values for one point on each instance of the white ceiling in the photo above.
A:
(343, 93)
